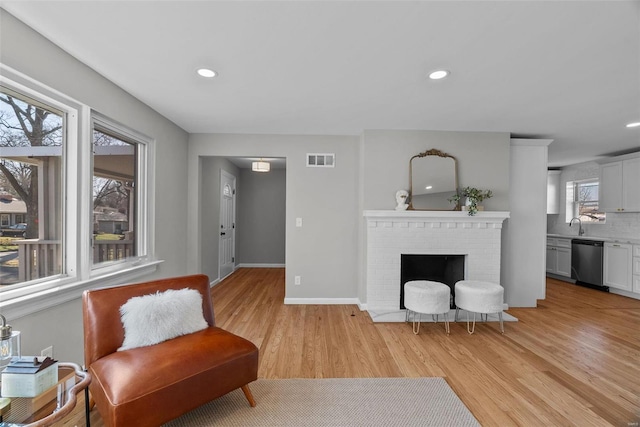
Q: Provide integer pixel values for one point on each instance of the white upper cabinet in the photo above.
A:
(611, 187)
(620, 186)
(631, 185)
(553, 192)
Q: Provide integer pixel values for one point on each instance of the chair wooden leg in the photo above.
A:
(248, 395)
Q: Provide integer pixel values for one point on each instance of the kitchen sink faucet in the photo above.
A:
(580, 229)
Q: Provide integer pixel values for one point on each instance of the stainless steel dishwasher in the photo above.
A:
(586, 262)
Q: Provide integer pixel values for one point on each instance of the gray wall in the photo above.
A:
(261, 212)
(483, 162)
(28, 52)
(324, 252)
(524, 239)
(328, 251)
(210, 211)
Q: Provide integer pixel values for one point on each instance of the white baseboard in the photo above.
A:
(624, 293)
(322, 301)
(561, 277)
(257, 265)
(219, 280)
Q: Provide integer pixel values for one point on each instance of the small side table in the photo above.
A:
(50, 413)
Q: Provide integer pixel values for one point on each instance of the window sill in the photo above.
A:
(55, 295)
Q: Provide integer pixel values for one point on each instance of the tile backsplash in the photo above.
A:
(618, 225)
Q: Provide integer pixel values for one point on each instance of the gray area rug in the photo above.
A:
(336, 402)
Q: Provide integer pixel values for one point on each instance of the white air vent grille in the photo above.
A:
(321, 160)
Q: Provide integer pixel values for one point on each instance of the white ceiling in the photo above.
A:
(567, 70)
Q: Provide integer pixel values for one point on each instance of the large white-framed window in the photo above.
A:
(55, 261)
(35, 132)
(119, 188)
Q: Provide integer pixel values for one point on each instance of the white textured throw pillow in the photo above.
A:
(158, 317)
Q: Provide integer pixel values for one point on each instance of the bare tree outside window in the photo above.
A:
(23, 125)
(31, 142)
(587, 202)
(114, 213)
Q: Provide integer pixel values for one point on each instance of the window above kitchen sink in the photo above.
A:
(582, 201)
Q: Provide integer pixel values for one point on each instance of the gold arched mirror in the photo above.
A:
(433, 179)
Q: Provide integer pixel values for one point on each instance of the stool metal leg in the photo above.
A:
(457, 311)
(446, 323)
(473, 329)
(501, 324)
(416, 330)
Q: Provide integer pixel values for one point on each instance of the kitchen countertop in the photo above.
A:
(599, 239)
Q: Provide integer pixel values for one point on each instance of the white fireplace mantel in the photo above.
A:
(390, 234)
(494, 217)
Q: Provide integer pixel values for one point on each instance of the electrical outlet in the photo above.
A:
(297, 280)
(47, 352)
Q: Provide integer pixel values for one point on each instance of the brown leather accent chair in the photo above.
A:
(148, 386)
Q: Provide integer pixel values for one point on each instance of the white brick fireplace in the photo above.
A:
(391, 234)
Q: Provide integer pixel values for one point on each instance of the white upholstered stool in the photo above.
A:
(426, 297)
(479, 297)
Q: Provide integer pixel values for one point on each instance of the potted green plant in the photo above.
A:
(473, 197)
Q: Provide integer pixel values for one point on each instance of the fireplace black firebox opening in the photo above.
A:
(447, 269)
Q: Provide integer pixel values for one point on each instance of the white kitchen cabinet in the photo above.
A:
(631, 185)
(611, 187)
(559, 256)
(564, 260)
(552, 259)
(618, 259)
(619, 189)
(553, 192)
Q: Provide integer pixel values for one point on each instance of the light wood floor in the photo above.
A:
(573, 360)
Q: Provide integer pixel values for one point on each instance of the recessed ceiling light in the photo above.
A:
(438, 74)
(205, 72)
(633, 125)
(428, 187)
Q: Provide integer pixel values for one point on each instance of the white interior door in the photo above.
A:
(227, 224)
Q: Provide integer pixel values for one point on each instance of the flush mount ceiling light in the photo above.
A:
(633, 125)
(260, 166)
(205, 72)
(438, 74)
